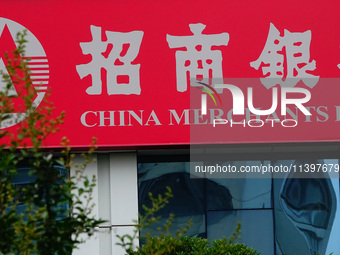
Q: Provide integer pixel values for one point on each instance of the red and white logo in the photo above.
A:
(37, 63)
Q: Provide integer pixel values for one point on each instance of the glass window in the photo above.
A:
(256, 227)
(306, 208)
(23, 178)
(188, 200)
(230, 193)
(293, 214)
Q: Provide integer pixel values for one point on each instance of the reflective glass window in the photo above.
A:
(256, 227)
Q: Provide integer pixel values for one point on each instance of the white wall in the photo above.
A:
(116, 199)
(91, 245)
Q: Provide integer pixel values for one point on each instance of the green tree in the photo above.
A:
(58, 208)
(165, 244)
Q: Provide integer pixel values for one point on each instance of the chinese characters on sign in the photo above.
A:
(117, 63)
(199, 61)
(285, 60)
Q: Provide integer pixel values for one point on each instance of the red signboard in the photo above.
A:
(121, 69)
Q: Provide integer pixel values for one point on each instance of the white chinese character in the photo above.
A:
(285, 60)
(112, 56)
(199, 60)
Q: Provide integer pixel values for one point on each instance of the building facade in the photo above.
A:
(232, 104)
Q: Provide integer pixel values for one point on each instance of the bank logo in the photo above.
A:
(37, 62)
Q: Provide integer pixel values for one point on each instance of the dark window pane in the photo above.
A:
(246, 193)
(256, 228)
(22, 179)
(305, 210)
(188, 201)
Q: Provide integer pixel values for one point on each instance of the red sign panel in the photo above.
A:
(121, 70)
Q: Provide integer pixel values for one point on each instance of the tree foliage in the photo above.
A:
(166, 244)
(58, 207)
